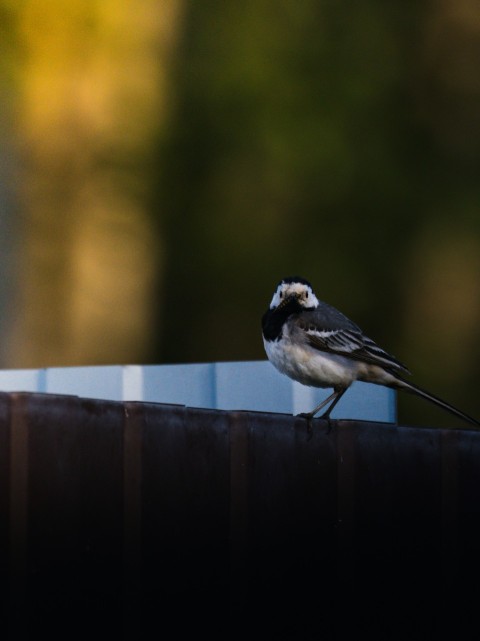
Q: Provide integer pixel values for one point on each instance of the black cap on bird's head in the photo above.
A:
(295, 279)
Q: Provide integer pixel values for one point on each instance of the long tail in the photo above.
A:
(414, 389)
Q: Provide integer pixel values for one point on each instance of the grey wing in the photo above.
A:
(346, 339)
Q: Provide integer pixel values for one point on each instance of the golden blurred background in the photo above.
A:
(164, 163)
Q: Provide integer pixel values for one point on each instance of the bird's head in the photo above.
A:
(294, 290)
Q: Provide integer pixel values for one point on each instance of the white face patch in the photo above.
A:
(304, 294)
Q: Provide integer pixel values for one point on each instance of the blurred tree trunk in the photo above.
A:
(9, 244)
(93, 90)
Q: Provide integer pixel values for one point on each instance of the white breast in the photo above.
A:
(310, 366)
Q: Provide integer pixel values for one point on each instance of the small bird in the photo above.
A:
(316, 345)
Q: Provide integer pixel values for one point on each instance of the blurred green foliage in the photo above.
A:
(327, 139)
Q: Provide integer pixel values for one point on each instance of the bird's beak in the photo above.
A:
(286, 301)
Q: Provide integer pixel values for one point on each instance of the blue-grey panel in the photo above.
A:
(21, 380)
(362, 401)
(260, 387)
(191, 385)
(252, 385)
(367, 402)
(104, 382)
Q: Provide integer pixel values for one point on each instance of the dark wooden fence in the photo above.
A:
(153, 521)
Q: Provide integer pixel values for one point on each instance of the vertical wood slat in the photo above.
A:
(449, 505)
(18, 515)
(345, 553)
(132, 514)
(238, 512)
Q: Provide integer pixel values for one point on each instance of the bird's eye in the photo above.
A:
(281, 294)
(306, 294)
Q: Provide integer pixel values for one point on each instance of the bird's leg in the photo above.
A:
(326, 415)
(333, 397)
(338, 396)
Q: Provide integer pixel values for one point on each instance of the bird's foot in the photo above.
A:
(307, 415)
(330, 421)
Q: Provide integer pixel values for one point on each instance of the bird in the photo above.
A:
(315, 344)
